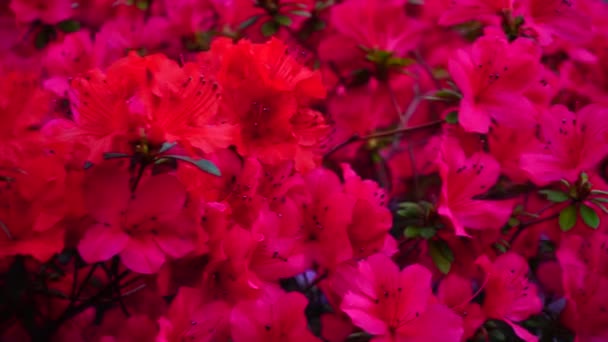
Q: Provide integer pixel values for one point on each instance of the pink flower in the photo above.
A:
(549, 19)
(492, 77)
(382, 26)
(144, 228)
(398, 305)
(276, 317)
(483, 10)
(456, 292)
(48, 11)
(463, 179)
(509, 295)
(571, 143)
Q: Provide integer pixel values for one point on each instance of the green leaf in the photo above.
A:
(412, 232)
(166, 146)
(43, 37)
(589, 216)
(442, 255)
(142, 5)
(203, 164)
(282, 20)
(305, 14)
(410, 210)
(555, 195)
(269, 28)
(245, 24)
(452, 117)
(448, 94)
(567, 218)
(115, 155)
(69, 25)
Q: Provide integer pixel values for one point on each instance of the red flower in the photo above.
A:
(492, 77)
(33, 204)
(144, 228)
(509, 295)
(276, 317)
(327, 214)
(151, 94)
(398, 305)
(463, 179)
(266, 91)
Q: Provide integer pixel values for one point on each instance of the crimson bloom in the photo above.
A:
(492, 76)
(144, 228)
(399, 305)
(153, 95)
(268, 96)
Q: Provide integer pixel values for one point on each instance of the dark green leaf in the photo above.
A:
(269, 28)
(448, 94)
(452, 117)
(203, 164)
(115, 155)
(305, 14)
(245, 24)
(411, 232)
(43, 37)
(567, 218)
(319, 25)
(442, 255)
(589, 216)
(555, 195)
(69, 26)
(282, 20)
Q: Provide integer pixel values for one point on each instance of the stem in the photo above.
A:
(523, 226)
(385, 134)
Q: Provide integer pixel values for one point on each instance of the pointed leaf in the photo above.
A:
(567, 218)
(115, 155)
(589, 216)
(305, 14)
(166, 146)
(442, 255)
(452, 117)
(245, 24)
(555, 195)
(269, 28)
(282, 20)
(203, 164)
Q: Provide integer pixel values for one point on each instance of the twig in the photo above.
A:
(403, 130)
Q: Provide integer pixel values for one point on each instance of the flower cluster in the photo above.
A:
(303, 170)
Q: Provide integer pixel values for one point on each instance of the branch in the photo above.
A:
(404, 130)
